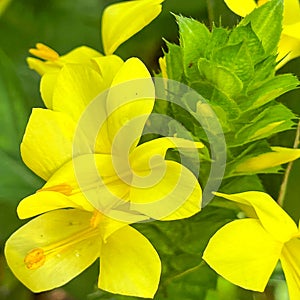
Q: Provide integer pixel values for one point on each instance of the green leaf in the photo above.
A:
(16, 181)
(270, 90)
(220, 77)
(266, 22)
(174, 62)
(273, 119)
(236, 58)
(219, 38)
(246, 35)
(194, 37)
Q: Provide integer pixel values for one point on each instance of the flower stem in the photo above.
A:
(210, 10)
(283, 187)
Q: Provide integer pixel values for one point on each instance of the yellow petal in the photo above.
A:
(291, 12)
(279, 156)
(53, 248)
(291, 266)
(81, 55)
(168, 191)
(272, 217)
(129, 265)
(47, 142)
(140, 157)
(47, 86)
(44, 201)
(129, 102)
(76, 87)
(292, 30)
(121, 21)
(163, 66)
(42, 67)
(241, 8)
(243, 253)
(108, 67)
(93, 183)
(288, 49)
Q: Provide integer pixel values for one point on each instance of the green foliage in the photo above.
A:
(234, 70)
(13, 118)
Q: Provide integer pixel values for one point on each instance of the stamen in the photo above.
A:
(35, 259)
(63, 188)
(44, 52)
(96, 218)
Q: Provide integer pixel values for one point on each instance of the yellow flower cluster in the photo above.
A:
(97, 184)
(99, 179)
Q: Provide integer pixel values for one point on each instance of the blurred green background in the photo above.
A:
(64, 25)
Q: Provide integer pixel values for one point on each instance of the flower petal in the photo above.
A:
(241, 8)
(81, 55)
(288, 49)
(121, 21)
(92, 182)
(47, 142)
(272, 217)
(45, 201)
(129, 102)
(243, 253)
(53, 248)
(47, 86)
(291, 266)
(291, 12)
(129, 265)
(168, 191)
(76, 87)
(140, 157)
(279, 156)
(108, 67)
(42, 67)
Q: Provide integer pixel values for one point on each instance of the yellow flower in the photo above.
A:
(289, 44)
(104, 183)
(128, 104)
(278, 156)
(55, 247)
(120, 22)
(246, 251)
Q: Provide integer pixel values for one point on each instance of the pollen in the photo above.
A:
(95, 220)
(35, 259)
(44, 52)
(63, 188)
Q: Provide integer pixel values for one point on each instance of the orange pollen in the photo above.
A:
(35, 259)
(63, 188)
(96, 218)
(44, 52)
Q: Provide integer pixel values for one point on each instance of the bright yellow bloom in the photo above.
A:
(120, 21)
(53, 131)
(105, 183)
(55, 247)
(289, 44)
(246, 251)
(278, 156)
